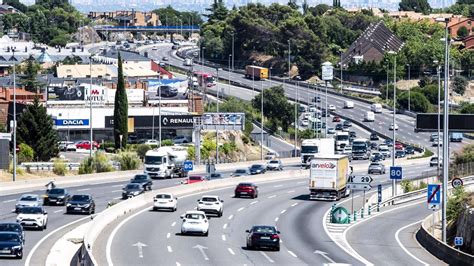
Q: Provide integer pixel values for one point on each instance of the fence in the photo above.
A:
(461, 170)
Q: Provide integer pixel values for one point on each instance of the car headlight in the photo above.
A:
(68, 205)
(16, 247)
(86, 205)
(60, 197)
(39, 218)
(135, 192)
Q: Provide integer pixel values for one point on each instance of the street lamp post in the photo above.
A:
(253, 80)
(394, 182)
(261, 121)
(217, 104)
(409, 105)
(296, 119)
(438, 72)
(386, 91)
(14, 116)
(340, 65)
(327, 75)
(90, 108)
(159, 111)
(233, 56)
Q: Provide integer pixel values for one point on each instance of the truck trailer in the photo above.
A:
(313, 147)
(328, 177)
(256, 72)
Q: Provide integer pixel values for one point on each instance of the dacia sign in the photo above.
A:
(72, 122)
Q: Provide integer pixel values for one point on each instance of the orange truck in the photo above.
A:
(256, 72)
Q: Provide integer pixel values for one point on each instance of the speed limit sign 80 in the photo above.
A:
(456, 182)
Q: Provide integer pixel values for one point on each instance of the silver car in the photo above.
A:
(27, 200)
(376, 167)
(275, 165)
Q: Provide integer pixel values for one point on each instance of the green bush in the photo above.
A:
(167, 142)
(142, 149)
(26, 153)
(59, 167)
(228, 147)
(422, 185)
(86, 166)
(101, 163)
(406, 185)
(128, 161)
(191, 153)
(456, 204)
(427, 153)
(19, 170)
(132, 147)
(245, 139)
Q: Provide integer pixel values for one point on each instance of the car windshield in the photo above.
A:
(274, 162)
(163, 196)
(374, 164)
(342, 137)
(140, 177)
(264, 229)
(256, 166)
(209, 199)
(9, 237)
(153, 159)
(309, 149)
(195, 216)
(29, 198)
(240, 171)
(195, 178)
(133, 186)
(80, 198)
(10, 227)
(245, 185)
(31, 210)
(56, 191)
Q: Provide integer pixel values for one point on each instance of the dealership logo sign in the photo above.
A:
(72, 122)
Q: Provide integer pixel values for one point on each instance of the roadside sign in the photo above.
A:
(358, 186)
(327, 71)
(359, 182)
(434, 196)
(457, 182)
(188, 166)
(396, 172)
(6, 136)
(458, 241)
(340, 216)
(379, 193)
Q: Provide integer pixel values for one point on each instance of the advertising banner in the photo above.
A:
(71, 122)
(133, 96)
(223, 118)
(171, 89)
(66, 93)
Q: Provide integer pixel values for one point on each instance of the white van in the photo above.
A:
(369, 116)
(376, 108)
(348, 104)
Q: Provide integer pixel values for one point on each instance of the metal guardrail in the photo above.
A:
(47, 166)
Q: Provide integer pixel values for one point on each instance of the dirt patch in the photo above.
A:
(6, 176)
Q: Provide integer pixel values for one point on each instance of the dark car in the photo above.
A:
(11, 245)
(240, 172)
(81, 204)
(257, 169)
(374, 136)
(131, 190)
(144, 180)
(56, 196)
(13, 227)
(168, 91)
(373, 145)
(389, 142)
(246, 189)
(347, 123)
(339, 127)
(376, 157)
(263, 236)
(400, 154)
(352, 134)
(409, 150)
(301, 109)
(214, 176)
(164, 58)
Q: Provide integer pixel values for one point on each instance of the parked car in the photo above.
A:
(240, 172)
(257, 169)
(27, 200)
(11, 245)
(374, 136)
(400, 154)
(409, 150)
(165, 201)
(35, 217)
(132, 190)
(13, 227)
(194, 179)
(275, 165)
(265, 236)
(150, 142)
(62, 145)
(376, 167)
(336, 119)
(56, 196)
(86, 145)
(144, 180)
(181, 140)
(210, 204)
(81, 204)
(246, 189)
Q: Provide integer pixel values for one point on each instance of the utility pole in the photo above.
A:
(409, 105)
(217, 130)
(14, 117)
(159, 109)
(394, 182)
(233, 56)
(261, 121)
(90, 109)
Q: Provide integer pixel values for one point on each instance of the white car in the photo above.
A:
(312, 109)
(331, 130)
(393, 127)
(151, 142)
(305, 122)
(36, 217)
(307, 115)
(28, 200)
(275, 165)
(332, 107)
(165, 201)
(211, 204)
(383, 149)
(195, 222)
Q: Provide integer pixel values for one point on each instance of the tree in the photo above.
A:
(29, 76)
(218, 11)
(418, 102)
(467, 108)
(16, 4)
(293, 4)
(35, 128)
(420, 6)
(459, 84)
(120, 110)
(462, 32)
(305, 7)
(276, 107)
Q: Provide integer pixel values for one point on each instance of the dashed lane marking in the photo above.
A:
(282, 212)
(292, 254)
(114, 191)
(231, 251)
(272, 196)
(290, 191)
(12, 200)
(240, 209)
(168, 235)
(267, 257)
(170, 249)
(276, 219)
(223, 238)
(278, 186)
(225, 226)
(230, 217)
(84, 189)
(58, 211)
(253, 202)
(173, 224)
(117, 197)
(294, 204)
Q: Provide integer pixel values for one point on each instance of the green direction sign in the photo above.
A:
(340, 216)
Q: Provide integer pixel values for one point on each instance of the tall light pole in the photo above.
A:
(217, 130)
(386, 91)
(253, 79)
(14, 116)
(394, 182)
(233, 56)
(296, 114)
(409, 105)
(438, 72)
(159, 110)
(327, 75)
(90, 108)
(261, 119)
(340, 65)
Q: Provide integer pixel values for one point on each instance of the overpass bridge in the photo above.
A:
(159, 29)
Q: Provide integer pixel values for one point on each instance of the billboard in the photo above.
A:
(326, 169)
(71, 122)
(133, 96)
(457, 122)
(98, 95)
(223, 119)
(167, 121)
(65, 93)
(171, 89)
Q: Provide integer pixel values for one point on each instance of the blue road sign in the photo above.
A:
(396, 172)
(434, 194)
(188, 166)
(458, 241)
(379, 193)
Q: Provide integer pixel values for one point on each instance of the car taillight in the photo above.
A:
(274, 236)
(155, 200)
(170, 200)
(217, 203)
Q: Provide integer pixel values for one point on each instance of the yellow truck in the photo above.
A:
(256, 72)
(328, 177)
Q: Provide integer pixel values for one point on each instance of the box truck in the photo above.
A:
(328, 177)
(256, 72)
(166, 162)
(313, 147)
(369, 116)
(348, 104)
(376, 108)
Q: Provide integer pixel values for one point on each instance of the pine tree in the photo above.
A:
(35, 128)
(29, 79)
(120, 109)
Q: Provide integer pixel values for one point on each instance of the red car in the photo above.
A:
(336, 119)
(246, 189)
(194, 179)
(86, 145)
(398, 146)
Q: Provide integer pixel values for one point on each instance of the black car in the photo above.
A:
(400, 154)
(373, 145)
(144, 180)
(168, 91)
(214, 176)
(301, 109)
(389, 142)
(377, 157)
(352, 134)
(132, 190)
(374, 136)
(13, 227)
(339, 127)
(409, 150)
(257, 169)
(11, 245)
(263, 236)
(347, 124)
(81, 204)
(56, 196)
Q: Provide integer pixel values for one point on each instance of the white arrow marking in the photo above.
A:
(324, 255)
(140, 246)
(202, 248)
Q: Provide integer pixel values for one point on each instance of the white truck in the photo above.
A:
(313, 147)
(166, 162)
(376, 108)
(188, 62)
(348, 104)
(342, 140)
(328, 176)
(369, 116)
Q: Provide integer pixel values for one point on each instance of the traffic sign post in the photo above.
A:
(456, 182)
(434, 196)
(396, 172)
(359, 182)
(458, 241)
(379, 196)
(340, 216)
(188, 166)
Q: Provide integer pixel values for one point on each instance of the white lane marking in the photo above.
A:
(266, 256)
(173, 224)
(290, 191)
(276, 219)
(403, 247)
(223, 238)
(240, 209)
(118, 190)
(117, 185)
(301, 182)
(178, 264)
(282, 212)
(230, 217)
(225, 226)
(39, 243)
(12, 200)
(117, 197)
(278, 186)
(170, 249)
(58, 211)
(168, 235)
(231, 251)
(294, 204)
(325, 255)
(292, 254)
(253, 202)
(272, 196)
(84, 189)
